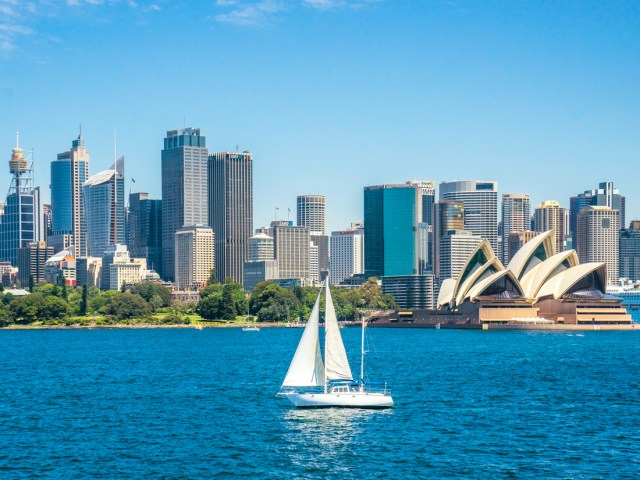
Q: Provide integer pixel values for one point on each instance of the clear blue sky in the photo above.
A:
(331, 95)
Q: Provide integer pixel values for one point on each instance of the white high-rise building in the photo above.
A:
(347, 254)
(118, 268)
(194, 256)
(480, 200)
(598, 238)
(261, 247)
(291, 247)
(455, 248)
(550, 215)
(311, 213)
(313, 263)
(516, 217)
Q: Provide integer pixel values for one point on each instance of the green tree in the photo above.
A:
(127, 305)
(27, 309)
(65, 293)
(212, 280)
(32, 284)
(102, 299)
(272, 303)
(149, 290)
(84, 303)
(209, 307)
(214, 288)
(53, 308)
(156, 302)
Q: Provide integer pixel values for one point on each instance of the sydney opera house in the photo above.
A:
(538, 286)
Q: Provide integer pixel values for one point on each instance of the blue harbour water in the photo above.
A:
(183, 403)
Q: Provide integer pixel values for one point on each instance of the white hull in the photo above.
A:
(344, 400)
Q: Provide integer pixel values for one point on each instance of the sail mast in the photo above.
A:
(362, 355)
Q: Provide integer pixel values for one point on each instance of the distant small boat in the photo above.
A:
(437, 326)
(198, 326)
(251, 328)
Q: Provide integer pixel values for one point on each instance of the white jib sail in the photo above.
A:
(306, 369)
(335, 356)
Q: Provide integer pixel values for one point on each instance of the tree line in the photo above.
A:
(269, 302)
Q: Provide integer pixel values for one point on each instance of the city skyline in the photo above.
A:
(493, 90)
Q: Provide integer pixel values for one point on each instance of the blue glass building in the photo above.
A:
(69, 172)
(20, 220)
(104, 205)
(396, 234)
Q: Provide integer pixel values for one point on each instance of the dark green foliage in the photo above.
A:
(84, 303)
(32, 284)
(102, 299)
(214, 288)
(65, 293)
(272, 303)
(149, 290)
(222, 302)
(212, 278)
(37, 307)
(127, 305)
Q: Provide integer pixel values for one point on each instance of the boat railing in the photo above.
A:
(378, 387)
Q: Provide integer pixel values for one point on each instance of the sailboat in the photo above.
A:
(312, 383)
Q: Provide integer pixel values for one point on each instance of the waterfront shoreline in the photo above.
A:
(497, 327)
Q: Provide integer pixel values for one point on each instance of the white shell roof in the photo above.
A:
(446, 292)
(561, 283)
(538, 275)
(485, 247)
(461, 294)
(477, 289)
(522, 256)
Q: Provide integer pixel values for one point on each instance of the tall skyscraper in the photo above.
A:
(145, 229)
(184, 189)
(455, 249)
(448, 216)
(630, 252)
(291, 247)
(231, 210)
(480, 200)
(311, 213)
(104, 206)
(195, 253)
(68, 174)
(31, 262)
(20, 219)
(550, 215)
(47, 221)
(396, 237)
(516, 217)
(598, 238)
(347, 254)
(604, 196)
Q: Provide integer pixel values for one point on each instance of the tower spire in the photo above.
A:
(17, 139)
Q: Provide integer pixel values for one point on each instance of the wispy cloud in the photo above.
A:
(256, 13)
(19, 18)
(10, 31)
(261, 12)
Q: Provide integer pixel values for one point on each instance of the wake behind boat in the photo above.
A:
(312, 383)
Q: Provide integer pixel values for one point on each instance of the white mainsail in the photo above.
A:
(306, 369)
(335, 356)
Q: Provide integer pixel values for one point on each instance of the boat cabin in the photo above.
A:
(345, 386)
